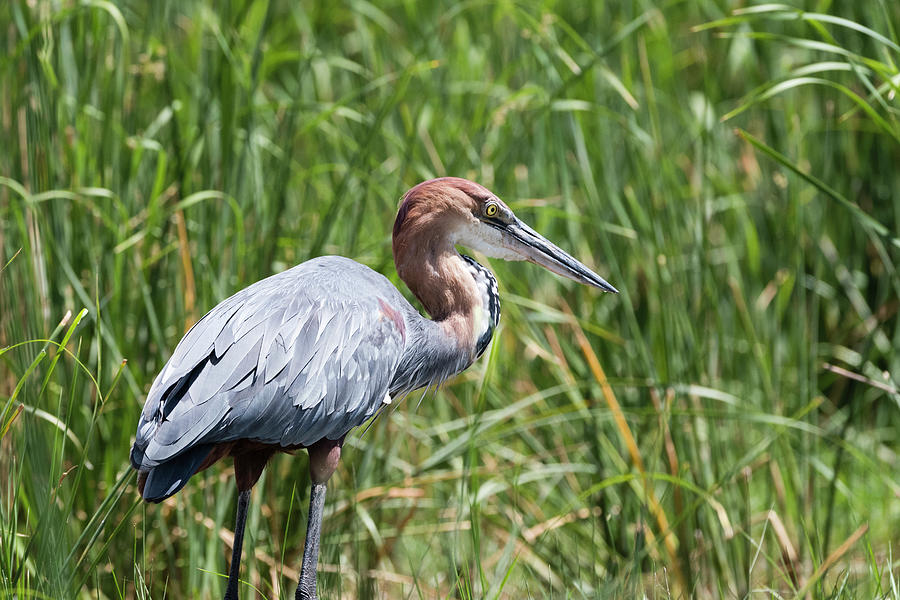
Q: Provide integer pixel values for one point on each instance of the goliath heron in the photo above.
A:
(301, 358)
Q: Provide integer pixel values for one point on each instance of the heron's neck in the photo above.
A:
(449, 287)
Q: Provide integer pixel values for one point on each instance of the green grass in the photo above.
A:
(158, 156)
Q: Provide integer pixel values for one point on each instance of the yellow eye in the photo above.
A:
(491, 209)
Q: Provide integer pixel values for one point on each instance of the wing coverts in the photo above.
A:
(303, 355)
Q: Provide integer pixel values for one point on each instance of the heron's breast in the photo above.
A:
(486, 314)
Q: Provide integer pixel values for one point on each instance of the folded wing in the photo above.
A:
(303, 355)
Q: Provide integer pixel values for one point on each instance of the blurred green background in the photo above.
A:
(727, 426)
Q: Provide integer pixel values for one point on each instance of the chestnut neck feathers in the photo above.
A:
(457, 292)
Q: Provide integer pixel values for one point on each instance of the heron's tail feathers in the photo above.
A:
(158, 483)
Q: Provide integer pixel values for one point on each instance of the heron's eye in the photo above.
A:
(491, 209)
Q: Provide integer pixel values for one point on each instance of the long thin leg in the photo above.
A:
(306, 589)
(231, 593)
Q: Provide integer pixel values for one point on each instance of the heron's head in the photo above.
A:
(463, 212)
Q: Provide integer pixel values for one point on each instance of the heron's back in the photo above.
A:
(306, 354)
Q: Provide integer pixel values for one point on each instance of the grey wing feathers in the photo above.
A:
(169, 477)
(292, 359)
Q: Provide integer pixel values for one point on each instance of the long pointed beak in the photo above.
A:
(533, 247)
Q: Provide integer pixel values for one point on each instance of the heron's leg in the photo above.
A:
(323, 460)
(231, 593)
(306, 589)
(248, 466)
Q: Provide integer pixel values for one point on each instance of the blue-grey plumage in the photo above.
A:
(306, 354)
(301, 358)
